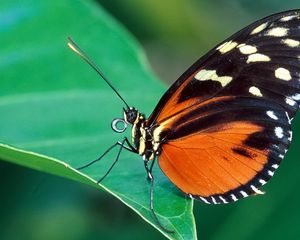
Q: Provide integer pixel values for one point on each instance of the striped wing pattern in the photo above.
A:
(225, 124)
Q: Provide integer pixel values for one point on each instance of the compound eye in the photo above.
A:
(118, 125)
(131, 116)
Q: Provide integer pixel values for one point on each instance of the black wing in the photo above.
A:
(263, 55)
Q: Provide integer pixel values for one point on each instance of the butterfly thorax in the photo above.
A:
(142, 135)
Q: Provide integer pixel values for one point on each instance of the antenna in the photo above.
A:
(76, 49)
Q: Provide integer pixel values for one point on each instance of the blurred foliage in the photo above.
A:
(174, 34)
(40, 206)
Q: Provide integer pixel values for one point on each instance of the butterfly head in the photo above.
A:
(131, 115)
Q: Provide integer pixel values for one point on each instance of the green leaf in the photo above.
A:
(56, 110)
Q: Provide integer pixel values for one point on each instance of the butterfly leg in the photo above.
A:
(116, 160)
(120, 143)
(151, 206)
(129, 147)
(152, 164)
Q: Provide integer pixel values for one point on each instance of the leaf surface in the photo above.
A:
(56, 113)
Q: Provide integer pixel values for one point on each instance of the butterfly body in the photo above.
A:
(145, 139)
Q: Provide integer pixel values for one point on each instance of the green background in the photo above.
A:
(174, 34)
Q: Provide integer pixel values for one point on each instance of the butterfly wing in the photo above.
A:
(224, 125)
(225, 153)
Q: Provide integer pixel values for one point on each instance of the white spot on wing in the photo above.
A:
(275, 166)
(222, 199)
(283, 74)
(255, 91)
(247, 49)
(281, 156)
(259, 28)
(296, 97)
(234, 198)
(258, 57)
(277, 32)
(263, 182)
(279, 132)
(271, 173)
(204, 200)
(256, 190)
(290, 101)
(244, 194)
(226, 47)
(272, 115)
(287, 18)
(214, 200)
(204, 75)
(291, 136)
(291, 42)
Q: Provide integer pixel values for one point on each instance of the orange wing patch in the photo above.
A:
(212, 163)
(172, 105)
(179, 109)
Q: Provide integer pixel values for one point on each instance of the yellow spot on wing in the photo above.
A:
(255, 91)
(204, 75)
(247, 49)
(283, 74)
(287, 18)
(291, 42)
(259, 28)
(226, 47)
(258, 57)
(277, 32)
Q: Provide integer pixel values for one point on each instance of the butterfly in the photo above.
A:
(221, 130)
